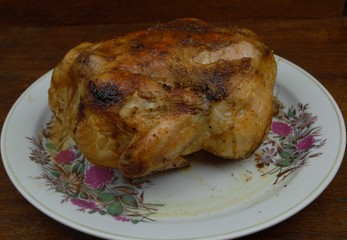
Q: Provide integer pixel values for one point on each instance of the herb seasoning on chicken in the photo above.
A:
(142, 101)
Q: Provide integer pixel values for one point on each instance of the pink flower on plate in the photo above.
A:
(96, 177)
(65, 156)
(305, 143)
(84, 204)
(281, 129)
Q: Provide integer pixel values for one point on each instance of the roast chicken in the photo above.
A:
(142, 101)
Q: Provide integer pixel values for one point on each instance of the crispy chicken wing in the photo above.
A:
(142, 101)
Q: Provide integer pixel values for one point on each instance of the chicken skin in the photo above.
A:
(142, 101)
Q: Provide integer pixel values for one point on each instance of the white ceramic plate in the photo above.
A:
(212, 199)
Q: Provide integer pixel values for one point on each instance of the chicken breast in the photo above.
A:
(142, 101)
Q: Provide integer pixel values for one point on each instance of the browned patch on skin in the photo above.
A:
(213, 82)
(80, 113)
(105, 95)
(83, 58)
(245, 64)
(166, 87)
(188, 40)
(184, 108)
(137, 46)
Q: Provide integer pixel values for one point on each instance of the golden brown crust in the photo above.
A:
(143, 100)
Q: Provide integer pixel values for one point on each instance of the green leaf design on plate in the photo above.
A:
(291, 113)
(285, 155)
(102, 212)
(92, 211)
(55, 174)
(106, 197)
(290, 146)
(284, 163)
(129, 200)
(83, 195)
(76, 167)
(51, 146)
(115, 208)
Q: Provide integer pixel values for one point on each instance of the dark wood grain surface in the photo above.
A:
(34, 36)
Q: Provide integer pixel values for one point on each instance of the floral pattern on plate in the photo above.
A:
(291, 141)
(93, 189)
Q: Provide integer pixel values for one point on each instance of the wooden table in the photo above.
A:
(34, 35)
